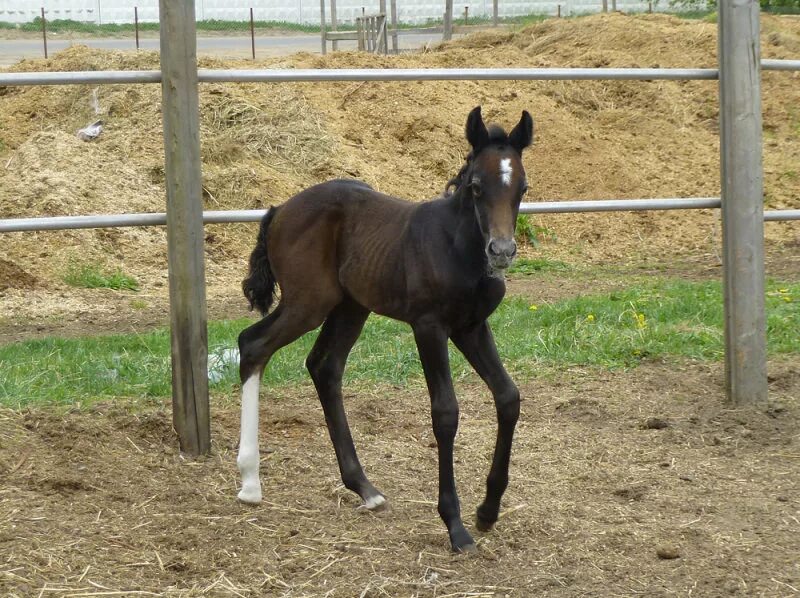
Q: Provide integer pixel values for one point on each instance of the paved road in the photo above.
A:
(13, 50)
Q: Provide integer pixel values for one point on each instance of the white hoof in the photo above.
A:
(374, 503)
(250, 495)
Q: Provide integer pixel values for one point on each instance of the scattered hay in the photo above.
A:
(98, 500)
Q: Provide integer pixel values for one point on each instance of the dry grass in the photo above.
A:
(98, 502)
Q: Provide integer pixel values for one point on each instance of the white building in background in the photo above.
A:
(292, 11)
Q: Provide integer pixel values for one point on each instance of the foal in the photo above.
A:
(340, 250)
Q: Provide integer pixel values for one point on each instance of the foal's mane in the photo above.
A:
(497, 136)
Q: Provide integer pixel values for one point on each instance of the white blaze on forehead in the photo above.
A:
(505, 171)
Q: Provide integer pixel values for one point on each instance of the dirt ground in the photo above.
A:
(609, 470)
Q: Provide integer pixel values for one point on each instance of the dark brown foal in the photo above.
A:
(341, 250)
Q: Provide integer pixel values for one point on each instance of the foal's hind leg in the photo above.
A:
(326, 364)
(477, 345)
(257, 344)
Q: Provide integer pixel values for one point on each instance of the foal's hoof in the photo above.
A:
(374, 503)
(462, 542)
(484, 523)
(466, 549)
(250, 495)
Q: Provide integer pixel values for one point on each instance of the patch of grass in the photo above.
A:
(620, 329)
(528, 232)
(526, 266)
(90, 276)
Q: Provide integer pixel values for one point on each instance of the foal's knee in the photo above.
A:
(507, 403)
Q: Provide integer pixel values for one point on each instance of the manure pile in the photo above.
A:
(262, 143)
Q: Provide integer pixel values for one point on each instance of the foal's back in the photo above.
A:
(340, 238)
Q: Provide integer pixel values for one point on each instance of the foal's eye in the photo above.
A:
(524, 188)
(475, 187)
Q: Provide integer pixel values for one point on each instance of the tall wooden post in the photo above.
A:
(187, 285)
(383, 41)
(322, 26)
(742, 201)
(448, 20)
(395, 46)
(334, 25)
(44, 32)
(495, 12)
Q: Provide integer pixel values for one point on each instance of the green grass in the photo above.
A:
(90, 276)
(668, 318)
(527, 266)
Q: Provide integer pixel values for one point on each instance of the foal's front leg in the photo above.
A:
(432, 344)
(477, 345)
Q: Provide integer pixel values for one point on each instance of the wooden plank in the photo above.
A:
(188, 328)
(333, 36)
(742, 201)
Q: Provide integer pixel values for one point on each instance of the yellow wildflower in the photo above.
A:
(533, 307)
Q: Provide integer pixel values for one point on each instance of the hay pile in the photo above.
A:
(262, 143)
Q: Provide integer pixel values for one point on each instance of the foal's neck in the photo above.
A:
(467, 237)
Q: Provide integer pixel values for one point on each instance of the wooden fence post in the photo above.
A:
(322, 26)
(448, 20)
(334, 26)
(136, 24)
(187, 284)
(395, 47)
(383, 41)
(252, 34)
(742, 201)
(44, 32)
(495, 12)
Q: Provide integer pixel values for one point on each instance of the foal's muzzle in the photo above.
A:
(501, 253)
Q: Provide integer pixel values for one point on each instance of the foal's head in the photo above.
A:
(494, 180)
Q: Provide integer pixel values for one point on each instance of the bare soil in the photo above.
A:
(610, 469)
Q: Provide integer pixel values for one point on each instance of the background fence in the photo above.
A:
(297, 12)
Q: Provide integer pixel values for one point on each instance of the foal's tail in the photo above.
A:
(259, 286)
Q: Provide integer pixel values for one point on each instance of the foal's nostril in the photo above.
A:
(493, 249)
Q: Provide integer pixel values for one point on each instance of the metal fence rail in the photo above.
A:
(433, 74)
(16, 225)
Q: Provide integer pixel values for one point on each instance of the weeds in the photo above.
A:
(90, 276)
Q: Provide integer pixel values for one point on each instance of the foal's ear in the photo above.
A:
(477, 135)
(522, 135)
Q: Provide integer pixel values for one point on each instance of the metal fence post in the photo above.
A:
(742, 201)
(180, 109)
